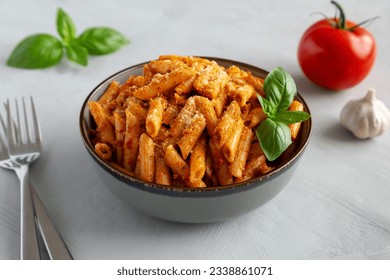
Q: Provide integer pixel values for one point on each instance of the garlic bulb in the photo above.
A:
(366, 117)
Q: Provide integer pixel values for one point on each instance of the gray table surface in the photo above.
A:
(336, 207)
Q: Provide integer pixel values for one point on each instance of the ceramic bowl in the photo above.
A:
(194, 205)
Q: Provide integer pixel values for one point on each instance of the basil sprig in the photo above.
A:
(44, 50)
(273, 133)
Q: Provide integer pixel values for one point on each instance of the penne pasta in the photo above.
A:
(148, 73)
(255, 150)
(135, 81)
(205, 107)
(242, 85)
(256, 82)
(120, 127)
(188, 60)
(294, 127)
(186, 86)
(162, 172)
(176, 163)
(252, 167)
(235, 72)
(161, 83)
(170, 114)
(155, 115)
(130, 145)
(229, 150)
(104, 126)
(219, 103)
(163, 66)
(209, 170)
(255, 117)
(183, 119)
(221, 166)
(224, 175)
(240, 93)
(110, 94)
(211, 81)
(198, 161)
(238, 166)
(191, 135)
(226, 124)
(104, 151)
(179, 99)
(145, 160)
(137, 110)
(245, 110)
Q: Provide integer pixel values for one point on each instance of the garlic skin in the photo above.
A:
(367, 117)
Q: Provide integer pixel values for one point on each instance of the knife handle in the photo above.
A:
(54, 243)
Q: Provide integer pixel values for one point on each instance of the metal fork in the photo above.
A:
(55, 245)
(24, 148)
(5, 161)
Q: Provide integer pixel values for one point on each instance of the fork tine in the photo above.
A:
(3, 125)
(2, 144)
(10, 129)
(12, 136)
(6, 106)
(37, 131)
(18, 131)
(28, 139)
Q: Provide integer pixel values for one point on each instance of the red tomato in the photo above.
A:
(336, 57)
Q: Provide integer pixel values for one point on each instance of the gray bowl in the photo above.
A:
(188, 204)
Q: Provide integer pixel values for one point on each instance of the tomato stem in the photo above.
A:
(342, 22)
(365, 22)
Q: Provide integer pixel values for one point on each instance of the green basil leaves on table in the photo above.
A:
(273, 133)
(44, 50)
(100, 41)
(65, 26)
(37, 51)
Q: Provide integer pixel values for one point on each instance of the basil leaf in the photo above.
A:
(280, 89)
(65, 26)
(102, 40)
(289, 117)
(36, 51)
(268, 109)
(274, 138)
(273, 133)
(77, 53)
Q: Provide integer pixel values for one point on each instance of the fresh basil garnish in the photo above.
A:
(273, 133)
(36, 51)
(290, 117)
(274, 138)
(102, 40)
(280, 90)
(65, 26)
(44, 50)
(77, 53)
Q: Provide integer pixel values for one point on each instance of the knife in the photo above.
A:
(54, 243)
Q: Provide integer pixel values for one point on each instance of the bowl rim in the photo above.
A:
(185, 191)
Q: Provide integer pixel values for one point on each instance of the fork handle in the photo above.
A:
(29, 242)
(54, 243)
